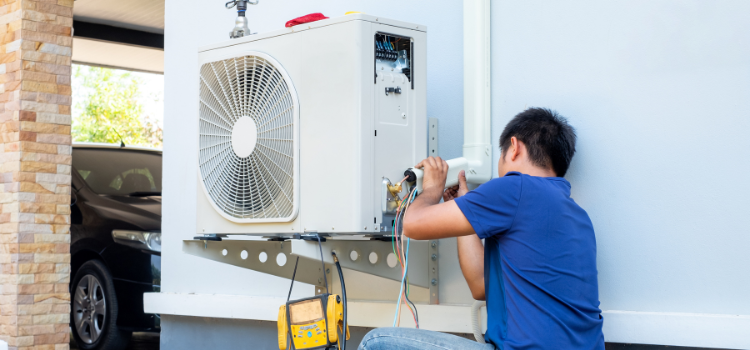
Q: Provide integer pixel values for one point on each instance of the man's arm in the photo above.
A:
(427, 218)
(471, 259)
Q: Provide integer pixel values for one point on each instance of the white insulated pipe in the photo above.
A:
(455, 165)
(477, 150)
(477, 91)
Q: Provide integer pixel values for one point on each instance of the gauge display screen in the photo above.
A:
(306, 311)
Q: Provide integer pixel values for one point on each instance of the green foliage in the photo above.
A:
(109, 109)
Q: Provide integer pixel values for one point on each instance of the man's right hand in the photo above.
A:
(458, 190)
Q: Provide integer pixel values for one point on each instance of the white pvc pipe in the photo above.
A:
(477, 91)
(454, 167)
(477, 159)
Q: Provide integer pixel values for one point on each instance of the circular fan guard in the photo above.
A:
(259, 187)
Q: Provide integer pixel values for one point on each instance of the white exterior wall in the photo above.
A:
(659, 92)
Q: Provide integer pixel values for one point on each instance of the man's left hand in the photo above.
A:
(435, 174)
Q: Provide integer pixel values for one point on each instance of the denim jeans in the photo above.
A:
(417, 339)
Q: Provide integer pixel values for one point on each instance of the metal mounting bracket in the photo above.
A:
(432, 137)
(367, 256)
(433, 271)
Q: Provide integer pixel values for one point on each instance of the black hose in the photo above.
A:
(343, 297)
(292, 285)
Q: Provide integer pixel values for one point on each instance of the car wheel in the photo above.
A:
(93, 313)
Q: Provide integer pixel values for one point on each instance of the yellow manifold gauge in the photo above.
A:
(317, 322)
(312, 323)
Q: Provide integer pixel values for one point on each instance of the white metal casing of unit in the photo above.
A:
(350, 133)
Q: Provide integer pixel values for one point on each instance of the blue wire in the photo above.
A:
(406, 268)
(403, 278)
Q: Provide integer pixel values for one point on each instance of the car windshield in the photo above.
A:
(118, 171)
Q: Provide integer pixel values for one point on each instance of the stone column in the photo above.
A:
(35, 165)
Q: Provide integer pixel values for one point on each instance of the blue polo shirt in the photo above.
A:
(539, 264)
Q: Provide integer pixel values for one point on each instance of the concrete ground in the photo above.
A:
(150, 341)
(140, 341)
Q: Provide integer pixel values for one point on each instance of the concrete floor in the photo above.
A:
(140, 341)
(150, 341)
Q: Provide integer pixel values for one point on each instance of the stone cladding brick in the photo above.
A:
(35, 165)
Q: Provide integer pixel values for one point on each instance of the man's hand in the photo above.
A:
(458, 190)
(435, 173)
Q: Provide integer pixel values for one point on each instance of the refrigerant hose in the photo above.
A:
(343, 297)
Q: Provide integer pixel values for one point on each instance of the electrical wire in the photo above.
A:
(415, 313)
(402, 253)
(396, 251)
(412, 307)
(406, 294)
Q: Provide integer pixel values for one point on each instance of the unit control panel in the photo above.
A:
(393, 54)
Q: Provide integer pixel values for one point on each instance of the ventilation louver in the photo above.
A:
(248, 139)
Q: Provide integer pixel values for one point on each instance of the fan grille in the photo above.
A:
(260, 185)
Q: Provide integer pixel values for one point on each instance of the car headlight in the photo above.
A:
(138, 239)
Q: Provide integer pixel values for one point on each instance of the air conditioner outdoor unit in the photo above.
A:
(299, 127)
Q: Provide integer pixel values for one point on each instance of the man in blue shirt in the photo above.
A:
(537, 266)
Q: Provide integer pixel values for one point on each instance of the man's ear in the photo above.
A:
(514, 150)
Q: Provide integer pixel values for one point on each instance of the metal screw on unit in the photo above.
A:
(434, 282)
(328, 270)
(433, 244)
(434, 257)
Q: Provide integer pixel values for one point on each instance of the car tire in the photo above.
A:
(93, 309)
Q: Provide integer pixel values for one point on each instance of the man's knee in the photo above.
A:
(376, 339)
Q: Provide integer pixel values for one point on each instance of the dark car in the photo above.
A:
(115, 242)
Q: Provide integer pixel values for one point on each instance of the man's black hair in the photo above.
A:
(549, 139)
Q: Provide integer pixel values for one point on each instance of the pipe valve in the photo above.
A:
(240, 24)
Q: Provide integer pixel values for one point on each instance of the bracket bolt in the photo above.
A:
(433, 244)
(434, 282)
(434, 257)
(328, 270)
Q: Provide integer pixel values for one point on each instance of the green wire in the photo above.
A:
(393, 233)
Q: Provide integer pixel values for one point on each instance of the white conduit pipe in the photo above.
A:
(477, 91)
(477, 109)
(477, 149)
(476, 320)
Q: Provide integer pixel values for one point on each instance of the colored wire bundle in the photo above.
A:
(402, 253)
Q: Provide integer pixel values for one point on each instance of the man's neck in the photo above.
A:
(534, 171)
